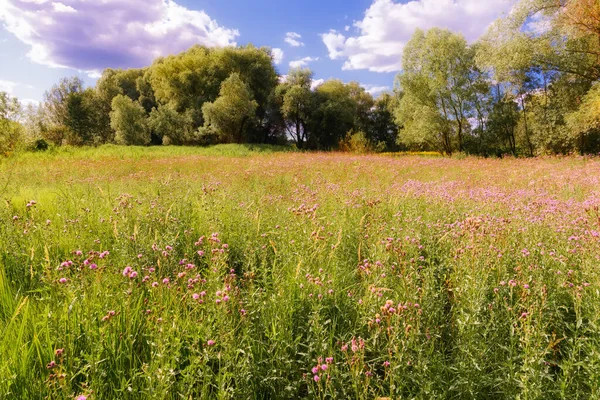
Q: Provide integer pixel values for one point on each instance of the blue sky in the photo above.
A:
(42, 41)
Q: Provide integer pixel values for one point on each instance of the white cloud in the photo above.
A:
(303, 62)
(60, 7)
(374, 90)
(93, 35)
(388, 26)
(8, 87)
(316, 82)
(293, 39)
(277, 55)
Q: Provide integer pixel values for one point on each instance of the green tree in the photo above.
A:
(296, 101)
(170, 127)
(231, 112)
(128, 119)
(382, 127)
(11, 131)
(584, 123)
(438, 92)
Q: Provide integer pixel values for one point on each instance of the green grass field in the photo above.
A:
(254, 273)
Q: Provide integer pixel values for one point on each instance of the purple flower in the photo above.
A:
(316, 378)
(315, 370)
(210, 343)
(93, 266)
(62, 280)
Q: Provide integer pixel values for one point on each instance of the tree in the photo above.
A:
(128, 119)
(188, 80)
(230, 113)
(56, 99)
(382, 127)
(585, 121)
(170, 127)
(296, 101)
(438, 92)
(11, 131)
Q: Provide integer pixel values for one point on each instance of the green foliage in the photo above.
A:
(11, 131)
(439, 91)
(167, 125)
(357, 142)
(129, 121)
(232, 112)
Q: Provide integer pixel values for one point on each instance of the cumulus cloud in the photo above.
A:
(375, 90)
(93, 35)
(277, 55)
(388, 26)
(8, 87)
(303, 62)
(293, 39)
(316, 83)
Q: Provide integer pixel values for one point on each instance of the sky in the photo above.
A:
(42, 41)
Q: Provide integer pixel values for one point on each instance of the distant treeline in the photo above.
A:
(529, 86)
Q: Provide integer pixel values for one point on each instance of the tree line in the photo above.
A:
(529, 86)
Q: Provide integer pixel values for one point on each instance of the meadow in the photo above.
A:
(252, 273)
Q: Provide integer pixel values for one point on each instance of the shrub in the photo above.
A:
(357, 142)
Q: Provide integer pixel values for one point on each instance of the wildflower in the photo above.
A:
(168, 248)
(154, 284)
(315, 370)
(93, 266)
(329, 360)
(133, 275)
(243, 312)
(166, 281)
(62, 280)
(78, 253)
(81, 397)
(51, 365)
(324, 367)
(526, 286)
(210, 343)
(59, 352)
(127, 271)
(195, 296)
(316, 378)
(386, 364)
(139, 255)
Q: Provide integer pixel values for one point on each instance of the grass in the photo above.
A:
(229, 272)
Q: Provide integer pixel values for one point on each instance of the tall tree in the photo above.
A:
(296, 101)
(438, 93)
(231, 112)
(128, 119)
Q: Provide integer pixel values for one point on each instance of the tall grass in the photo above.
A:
(179, 273)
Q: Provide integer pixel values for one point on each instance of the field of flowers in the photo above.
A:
(190, 274)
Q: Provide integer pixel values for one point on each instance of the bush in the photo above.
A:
(11, 136)
(357, 142)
